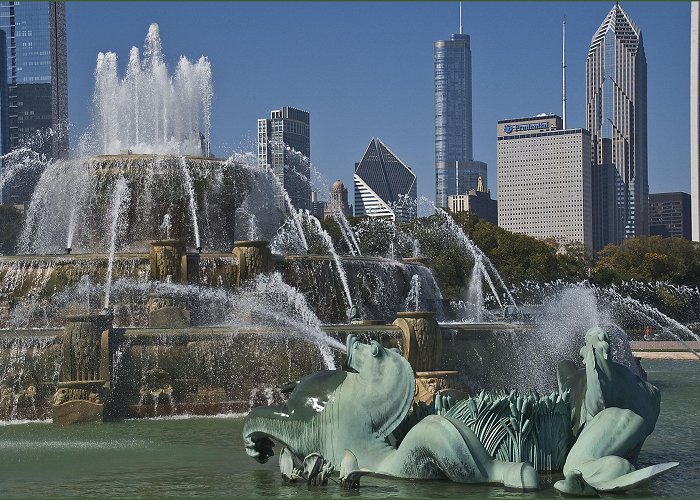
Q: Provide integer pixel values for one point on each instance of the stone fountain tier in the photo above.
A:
(193, 192)
(378, 285)
(209, 370)
(37, 279)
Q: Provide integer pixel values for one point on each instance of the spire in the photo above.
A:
(460, 17)
(563, 72)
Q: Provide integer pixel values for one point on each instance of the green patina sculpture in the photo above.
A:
(517, 427)
(347, 417)
(613, 412)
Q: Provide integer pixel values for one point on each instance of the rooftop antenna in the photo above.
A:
(563, 72)
(460, 18)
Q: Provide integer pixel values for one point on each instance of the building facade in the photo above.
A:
(476, 201)
(34, 79)
(544, 179)
(456, 172)
(338, 200)
(695, 117)
(284, 144)
(384, 185)
(616, 115)
(318, 207)
(669, 215)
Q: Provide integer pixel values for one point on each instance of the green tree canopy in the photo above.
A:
(649, 258)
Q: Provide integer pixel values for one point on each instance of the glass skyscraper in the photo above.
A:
(34, 80)
(616, 115)
(456, 172)
(284, 143)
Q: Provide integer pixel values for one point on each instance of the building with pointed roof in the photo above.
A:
(384, 185)
(616, 116)
(456, 171)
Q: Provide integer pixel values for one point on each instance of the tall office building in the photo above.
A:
(34, 79)
(284, 144)
(695, 117)
(384, 185)
(544, 179)
(669, 214)
(456, 172)
(616, 115)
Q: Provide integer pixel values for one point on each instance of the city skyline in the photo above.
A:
(395, 101)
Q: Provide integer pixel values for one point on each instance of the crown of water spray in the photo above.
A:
(148, 111)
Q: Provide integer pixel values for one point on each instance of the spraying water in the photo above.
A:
(416, 248)
(119, 200)
(166, 226)
(338, 263)
(414, 294)
(483, 269)
(71, 227)
(148, 111)
(189, 188)
(347, 232)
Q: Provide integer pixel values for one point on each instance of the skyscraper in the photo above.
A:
(544, 179)
(34, 94)
(669, 214)
(616, 115)
(695, 117)
(384, 185)
(456, 172)
(284, 144)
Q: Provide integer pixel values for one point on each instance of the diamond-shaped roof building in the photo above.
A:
(384, 185)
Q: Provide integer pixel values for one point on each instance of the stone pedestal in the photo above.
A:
(422, 339)
(166, 312)
(168, 258)
(254, 257)
(85, 372)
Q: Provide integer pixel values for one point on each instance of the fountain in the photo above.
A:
(154, 279)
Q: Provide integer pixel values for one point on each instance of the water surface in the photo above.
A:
(204, 457)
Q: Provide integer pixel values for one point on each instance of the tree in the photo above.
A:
(649, 258)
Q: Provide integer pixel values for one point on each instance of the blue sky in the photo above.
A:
(365, 69)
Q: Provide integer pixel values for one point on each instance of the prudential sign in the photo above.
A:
(525, 127)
